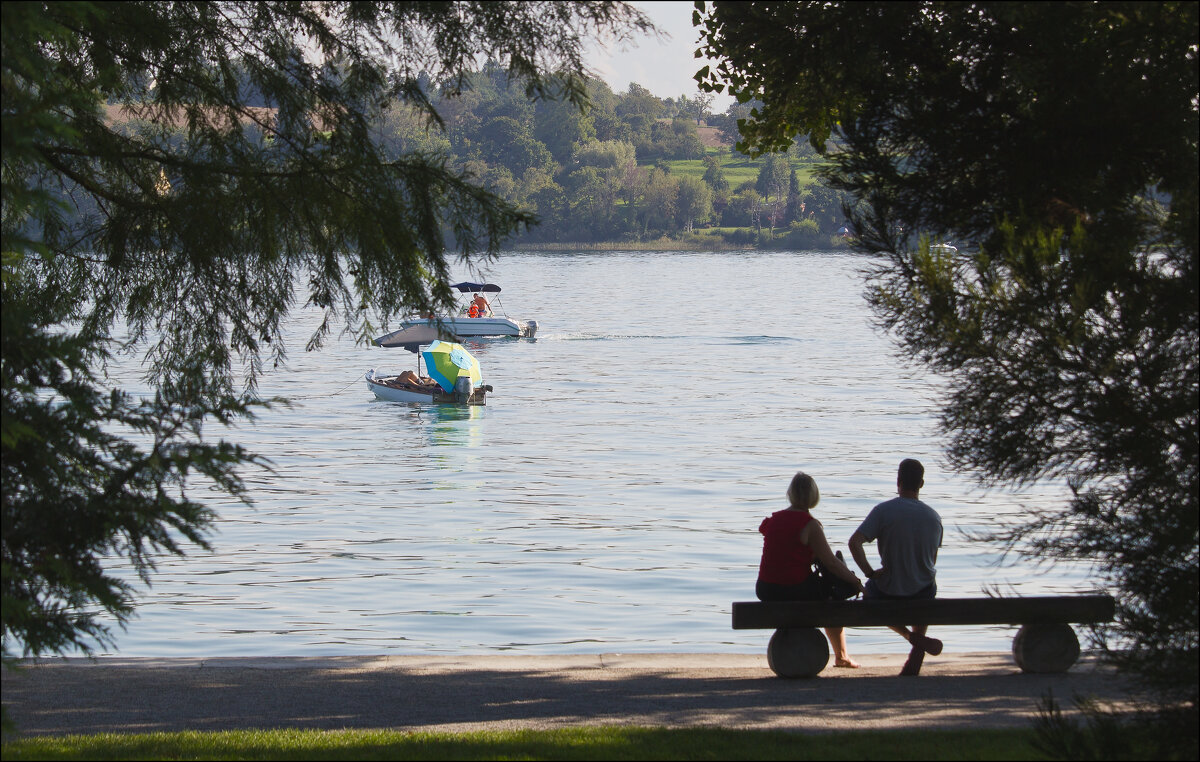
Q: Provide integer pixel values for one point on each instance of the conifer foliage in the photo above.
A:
(181, 175)
(1055, 145)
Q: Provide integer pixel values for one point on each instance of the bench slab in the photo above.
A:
(1062, 609)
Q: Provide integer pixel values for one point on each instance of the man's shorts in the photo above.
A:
(874, 593)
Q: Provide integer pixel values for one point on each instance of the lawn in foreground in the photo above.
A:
(599, 743)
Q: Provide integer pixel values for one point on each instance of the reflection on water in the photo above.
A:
(607, 496)
(438, 425)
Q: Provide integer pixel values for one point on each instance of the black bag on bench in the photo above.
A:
(833, 587)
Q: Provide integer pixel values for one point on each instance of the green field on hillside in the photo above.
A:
(739, 169)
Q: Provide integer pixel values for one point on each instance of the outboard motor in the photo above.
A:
(463, 389)
(529, 328)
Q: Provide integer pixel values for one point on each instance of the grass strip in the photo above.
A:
(583, 743)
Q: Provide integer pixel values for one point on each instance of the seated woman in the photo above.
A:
(792, 538)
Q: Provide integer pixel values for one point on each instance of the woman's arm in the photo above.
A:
(815, 540)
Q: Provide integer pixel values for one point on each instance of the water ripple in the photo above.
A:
(607, 497)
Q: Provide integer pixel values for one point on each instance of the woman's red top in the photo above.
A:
(785, 560)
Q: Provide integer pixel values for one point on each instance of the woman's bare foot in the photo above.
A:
(846, 663)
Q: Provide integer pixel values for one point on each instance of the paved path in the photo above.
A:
(459, 693)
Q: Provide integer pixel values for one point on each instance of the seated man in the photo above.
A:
(909, 534)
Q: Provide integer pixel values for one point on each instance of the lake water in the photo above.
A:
(607, 497)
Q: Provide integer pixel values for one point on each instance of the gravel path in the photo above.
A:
(457, 693)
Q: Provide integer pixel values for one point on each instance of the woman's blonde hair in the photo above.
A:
(803, 493)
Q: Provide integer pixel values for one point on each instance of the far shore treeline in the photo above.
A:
(632, 171)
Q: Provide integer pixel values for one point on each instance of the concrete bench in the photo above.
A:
(1044, 643)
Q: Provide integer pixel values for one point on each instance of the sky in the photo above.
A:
(665, 67)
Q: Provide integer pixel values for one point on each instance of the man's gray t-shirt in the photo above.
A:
(909, 534)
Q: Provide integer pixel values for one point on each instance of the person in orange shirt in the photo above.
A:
(481, 306)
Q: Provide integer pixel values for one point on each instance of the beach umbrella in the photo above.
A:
(412, 337)
(445, 361)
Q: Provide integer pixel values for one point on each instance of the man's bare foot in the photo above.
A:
(846, 663)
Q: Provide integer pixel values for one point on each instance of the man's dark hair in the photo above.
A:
(911, 474)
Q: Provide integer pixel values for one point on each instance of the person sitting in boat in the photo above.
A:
(408, 377)
(482, 308)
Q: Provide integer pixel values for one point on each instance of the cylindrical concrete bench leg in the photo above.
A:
(801, 652)
(1045, 647)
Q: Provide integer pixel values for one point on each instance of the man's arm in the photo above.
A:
(860, 555)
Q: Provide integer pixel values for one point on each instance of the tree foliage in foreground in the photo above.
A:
(144, 200)
(89, 473)
(1056, 145)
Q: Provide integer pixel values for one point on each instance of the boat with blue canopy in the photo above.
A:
(478, 316)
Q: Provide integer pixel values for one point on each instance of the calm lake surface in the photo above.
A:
(607, 497)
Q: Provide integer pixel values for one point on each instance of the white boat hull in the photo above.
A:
(387, 388)
(466, 327)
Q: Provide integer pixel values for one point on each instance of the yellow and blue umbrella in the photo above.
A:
(445, 361)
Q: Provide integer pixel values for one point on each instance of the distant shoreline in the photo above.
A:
(659, 245)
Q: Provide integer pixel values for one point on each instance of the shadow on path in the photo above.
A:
(75, 696)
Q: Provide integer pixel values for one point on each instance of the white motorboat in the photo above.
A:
(477, 318)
